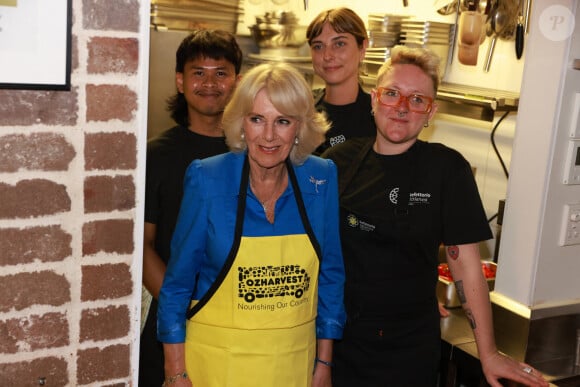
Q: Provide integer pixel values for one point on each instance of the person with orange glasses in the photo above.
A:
(400, 199)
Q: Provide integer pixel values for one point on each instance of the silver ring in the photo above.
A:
(527, 370)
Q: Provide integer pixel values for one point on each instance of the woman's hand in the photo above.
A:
(443, 312)
(175, 375)
(179, 382)
(498, 366)
(322, 376)
(323, 364)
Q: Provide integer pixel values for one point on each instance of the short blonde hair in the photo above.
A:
(290, 94)
(423, 58)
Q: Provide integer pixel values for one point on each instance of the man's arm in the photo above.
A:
(153, 265)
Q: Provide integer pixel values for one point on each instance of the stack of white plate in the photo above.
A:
(435, 36)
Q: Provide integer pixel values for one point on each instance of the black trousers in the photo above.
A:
(151, 367)
(385, 353)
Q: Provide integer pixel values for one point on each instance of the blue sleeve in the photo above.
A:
(331, 312)
(187, 255)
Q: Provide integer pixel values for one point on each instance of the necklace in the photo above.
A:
(266, 203)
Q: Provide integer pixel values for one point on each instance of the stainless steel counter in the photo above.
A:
(461, 351)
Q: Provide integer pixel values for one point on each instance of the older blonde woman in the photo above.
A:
(256, 262)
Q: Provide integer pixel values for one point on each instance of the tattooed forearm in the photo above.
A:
(461, 295)
(460, 291)
(470, 318)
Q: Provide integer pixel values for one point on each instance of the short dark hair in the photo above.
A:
(214, 44)
(203, 43)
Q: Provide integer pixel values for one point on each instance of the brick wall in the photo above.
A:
(69, 220)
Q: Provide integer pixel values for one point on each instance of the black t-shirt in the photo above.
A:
(347, 121)
(168, 156)
(389, 247)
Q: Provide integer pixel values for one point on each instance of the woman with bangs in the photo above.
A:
(338, 41)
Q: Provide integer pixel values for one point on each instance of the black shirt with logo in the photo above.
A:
(395, 211)
(347, 121)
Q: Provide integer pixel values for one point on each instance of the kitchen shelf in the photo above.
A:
(475, 102)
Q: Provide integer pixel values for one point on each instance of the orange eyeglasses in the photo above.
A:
(417, 103)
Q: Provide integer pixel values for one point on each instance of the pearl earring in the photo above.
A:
(296, 141)
(243, 136)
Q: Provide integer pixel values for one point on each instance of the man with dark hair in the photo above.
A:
(208, 64)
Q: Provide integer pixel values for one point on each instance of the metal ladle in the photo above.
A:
(502, 24)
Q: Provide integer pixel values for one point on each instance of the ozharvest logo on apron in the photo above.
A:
(272, 281)
(258, 318)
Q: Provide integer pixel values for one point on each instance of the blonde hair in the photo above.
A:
(423, 58)
(290, 94)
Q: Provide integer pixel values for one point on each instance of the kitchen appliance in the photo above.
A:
(278, 31)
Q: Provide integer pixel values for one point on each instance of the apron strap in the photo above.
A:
(302, 210)
(354, 166)
(242, 194)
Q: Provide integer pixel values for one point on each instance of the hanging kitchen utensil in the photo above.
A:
(527, 13)
(448, 9)
(520, 30)
(471, 32)
(504, 21)
(520, 37)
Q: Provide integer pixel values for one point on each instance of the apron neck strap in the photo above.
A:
(302, 209)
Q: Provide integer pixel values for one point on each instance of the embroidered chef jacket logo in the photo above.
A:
(419, 198)
(393, 195)
(316, 182)
(337, 140)
(415, 198)
(352, 220)
(355, 222)
(272, 281)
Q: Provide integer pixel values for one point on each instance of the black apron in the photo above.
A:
(392, 328)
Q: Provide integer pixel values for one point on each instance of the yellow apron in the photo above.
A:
(256, 325)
